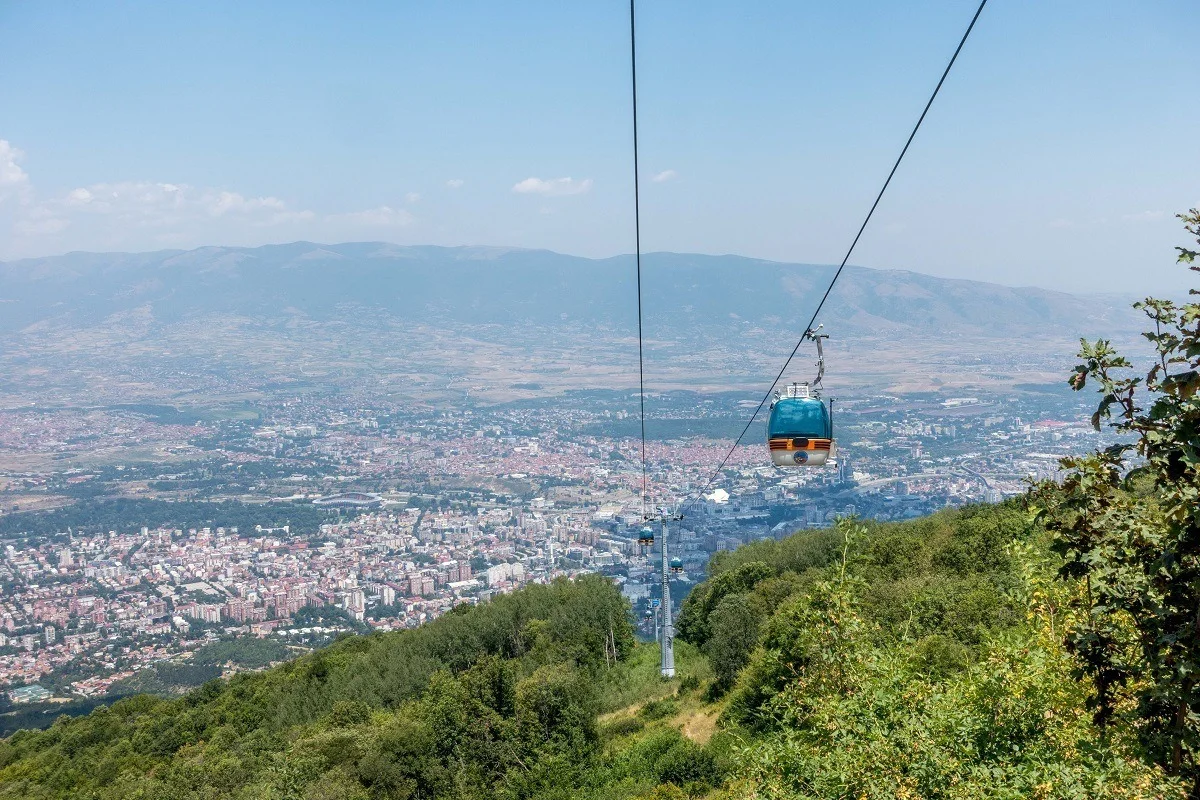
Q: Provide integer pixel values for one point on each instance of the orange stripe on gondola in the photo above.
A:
(813, 444)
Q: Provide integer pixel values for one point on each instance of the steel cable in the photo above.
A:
(840, 268)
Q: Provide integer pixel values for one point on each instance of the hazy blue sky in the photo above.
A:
(1059, 149)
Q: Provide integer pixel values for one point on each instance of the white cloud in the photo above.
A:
(664, 176)
(455, 183)
(1144, 216)
(382, 217)
(13, 179)
(222, 203)
(555, 187)
(148, 204)
(143, 215)
(146, 215)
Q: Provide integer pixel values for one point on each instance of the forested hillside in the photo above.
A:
(918, 659)
(924, 659)
(501, 698)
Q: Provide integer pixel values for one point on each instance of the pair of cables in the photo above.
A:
(816, 312)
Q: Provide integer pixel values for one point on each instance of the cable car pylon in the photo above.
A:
(666, 631)
(646, 535)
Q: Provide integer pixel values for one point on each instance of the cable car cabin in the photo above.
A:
(800, 430)
(676, 566)
(646, 537)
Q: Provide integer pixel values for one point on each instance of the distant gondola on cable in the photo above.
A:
(646, 537)
(676, 566)
(800, 429)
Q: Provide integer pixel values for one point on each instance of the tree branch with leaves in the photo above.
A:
(1126, 519)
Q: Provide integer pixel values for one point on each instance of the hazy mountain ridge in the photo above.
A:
(509, 285)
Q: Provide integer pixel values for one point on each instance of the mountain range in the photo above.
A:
(489, 285)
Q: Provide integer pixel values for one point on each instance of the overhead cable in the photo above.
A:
(841, 266)
(637, 238)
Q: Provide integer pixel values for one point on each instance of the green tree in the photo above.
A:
(555, 711)
(694, 623)
(734, 626)
(1127, 521)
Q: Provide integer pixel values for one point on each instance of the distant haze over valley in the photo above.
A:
(435, 323)
(508, 285)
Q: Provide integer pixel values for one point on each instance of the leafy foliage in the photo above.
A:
(843, 701)
(735, 626)
(858, 720)
(915, 659)
(948, 575)
(244, 652)
(1127, 521)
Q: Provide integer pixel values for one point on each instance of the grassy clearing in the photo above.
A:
(637, 680)
(700, 725)
(638, 701)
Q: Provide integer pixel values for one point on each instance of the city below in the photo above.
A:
(256, 537)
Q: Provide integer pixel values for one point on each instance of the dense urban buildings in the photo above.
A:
(351, 519)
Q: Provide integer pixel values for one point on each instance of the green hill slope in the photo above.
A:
(917, 659)
(490, 698)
